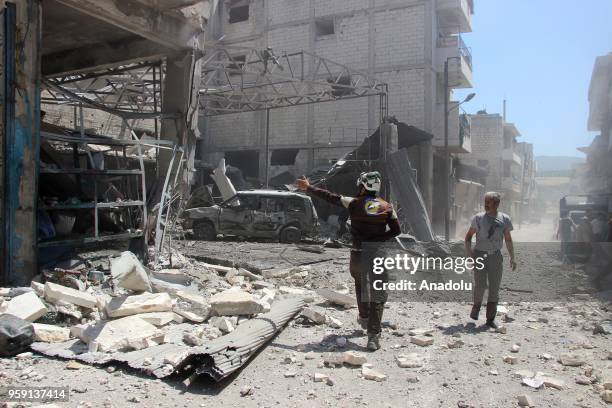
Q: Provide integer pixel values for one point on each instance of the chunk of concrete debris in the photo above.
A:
(525, 401)
(571, 360)
(39, 288)
(74, 365)
(510, 360)
(290, 374)
(193, 298)
(583, 380)
(185, 314)
(354, 358)
(234, 302)
(306, 295)
(410, 360)
(127, 333)
(333, 359)
(421, 332)
(536, 383)
(422, 341)
(551, 382)
(369, 373)
(78, 329)
(515, 348)
(320, 377)
(313, 315)
(337, 297)
(457, 343)
(171, 276)
(135, 304)
(55, 292)
(192, 339)
(606, 395)
(49, 333)
(27, 307)
(333, 322)
(246, 390)
(68, 309)
(157, 318)
(127, 272)
(222, 323)
(262, 284)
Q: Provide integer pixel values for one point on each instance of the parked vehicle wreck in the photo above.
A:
(281, 215)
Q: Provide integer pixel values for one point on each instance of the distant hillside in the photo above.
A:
(557, 165)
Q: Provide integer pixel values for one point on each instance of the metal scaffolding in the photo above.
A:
(240, 79)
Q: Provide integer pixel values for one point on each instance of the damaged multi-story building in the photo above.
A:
(509, 165)
(597, 176)
(403, 43)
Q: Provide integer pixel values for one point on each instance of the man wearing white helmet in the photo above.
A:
(370, 216)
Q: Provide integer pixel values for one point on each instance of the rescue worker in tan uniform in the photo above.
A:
(370, 215)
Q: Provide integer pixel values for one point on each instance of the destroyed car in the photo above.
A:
(281, 215)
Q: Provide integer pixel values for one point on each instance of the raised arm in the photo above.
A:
(304, 185)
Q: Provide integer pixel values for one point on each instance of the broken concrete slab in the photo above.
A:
(306, 295)
(172, 276)
(68, 309)
(39, 288)
(157, 318)
(337, 297)
(369, 373)
(136, 304)
(315, 316)
(571, 360)
(422, 341)
(410, 360)
(50, 333)
(194, 298)
(333, 322)
(551, 382)
(222, 323)
(354, 358)
(55, 292)
(234, 302)
(127, 272)
(127, 333)
(27, 306)
(421, 332)
(185, 314)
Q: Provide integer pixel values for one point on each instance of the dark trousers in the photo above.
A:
(488, 277)
(370, 302)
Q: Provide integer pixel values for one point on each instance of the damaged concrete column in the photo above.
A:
(20, 137)
(181, 92)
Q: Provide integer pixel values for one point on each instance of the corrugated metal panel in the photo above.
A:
(219, 358)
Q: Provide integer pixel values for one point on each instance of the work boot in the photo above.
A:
(491, 313)
(363, 322)
(475, 312)
(373, 342)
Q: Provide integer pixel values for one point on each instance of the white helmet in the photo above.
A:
(371, 181)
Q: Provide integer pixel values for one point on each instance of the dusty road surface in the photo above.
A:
(465, 366)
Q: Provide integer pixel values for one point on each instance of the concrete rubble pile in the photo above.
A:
(133, 308)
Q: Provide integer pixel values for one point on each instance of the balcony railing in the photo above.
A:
(456, 41)
(465, 52)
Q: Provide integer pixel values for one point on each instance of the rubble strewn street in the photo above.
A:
(432, 354)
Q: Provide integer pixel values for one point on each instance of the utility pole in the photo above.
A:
(267, 154)
(446, 158)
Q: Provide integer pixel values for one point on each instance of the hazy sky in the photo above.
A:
(539, 54)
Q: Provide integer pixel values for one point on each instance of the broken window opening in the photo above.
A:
(283, 157)
(246, 160)
(238, 14)
(324, 26)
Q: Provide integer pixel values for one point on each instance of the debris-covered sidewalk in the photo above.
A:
(545, 354)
